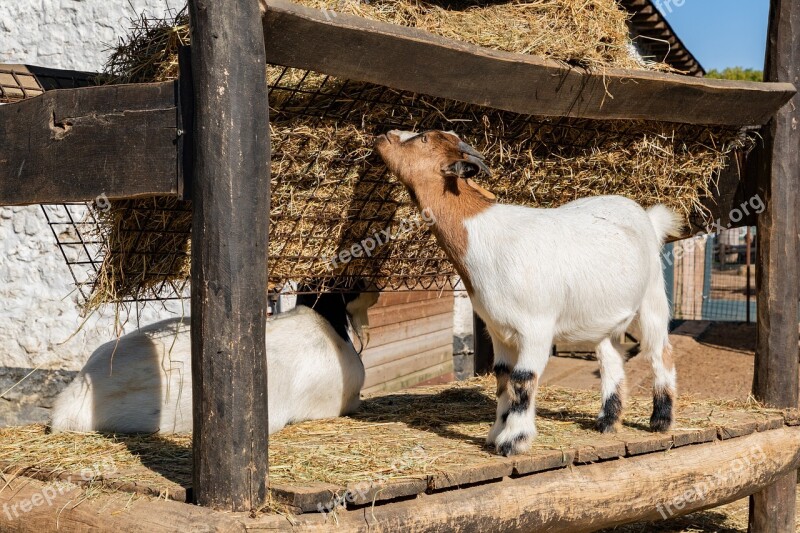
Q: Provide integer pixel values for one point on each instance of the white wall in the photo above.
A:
(38, 313)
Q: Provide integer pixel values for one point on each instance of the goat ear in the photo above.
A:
(461, 169)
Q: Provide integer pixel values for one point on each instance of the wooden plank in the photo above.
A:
(401, 331)
(591, 497)
(230, 196)
(470, 474)
(408, 347)
(36, 507)
(391, 298)
(775, 380)
(414, 60)
(75, 145)
(409, 311)
(412, 379)
(524, 465)
(408, 365)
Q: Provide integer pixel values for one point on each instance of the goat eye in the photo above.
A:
(424, 138)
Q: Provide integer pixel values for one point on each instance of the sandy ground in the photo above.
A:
(713, 360)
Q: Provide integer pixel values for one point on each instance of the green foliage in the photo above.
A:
(736, 73)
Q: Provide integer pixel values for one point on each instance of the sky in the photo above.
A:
(720, 33)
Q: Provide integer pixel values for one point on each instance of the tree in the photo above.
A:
(736, 73)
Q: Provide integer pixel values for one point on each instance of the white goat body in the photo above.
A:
(582, 271)
(142, 382)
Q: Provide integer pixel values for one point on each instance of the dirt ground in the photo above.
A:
(713, 360)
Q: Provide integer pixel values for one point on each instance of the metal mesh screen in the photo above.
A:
(330, 193)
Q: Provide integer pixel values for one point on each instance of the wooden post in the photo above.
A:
(484, 351)
(775, 380)
(230, 194)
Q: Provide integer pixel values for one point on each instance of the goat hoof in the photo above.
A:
(517, 444)
(660, 424)
(606, 425)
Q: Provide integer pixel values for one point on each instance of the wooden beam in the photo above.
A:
(230, 195)
(775, 380)
(414, 60)
(576, 499)
(74, 145)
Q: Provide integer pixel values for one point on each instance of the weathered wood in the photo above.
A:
(408, 347)
(775, 379)
(404, 367)
(75, 145)
(35, 507)
(230, 194)
(414, 60)
(581, 498)
(409, 311)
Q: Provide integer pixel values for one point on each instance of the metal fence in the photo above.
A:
(713, 278)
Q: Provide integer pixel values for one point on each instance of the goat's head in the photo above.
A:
(430, 158)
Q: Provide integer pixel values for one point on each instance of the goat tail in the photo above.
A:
(666, 222)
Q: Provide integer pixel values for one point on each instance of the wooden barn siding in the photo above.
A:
(411, 340)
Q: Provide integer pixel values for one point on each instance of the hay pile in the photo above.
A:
(329, 191)
(402, 435)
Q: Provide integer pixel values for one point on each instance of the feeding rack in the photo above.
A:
(74, 145)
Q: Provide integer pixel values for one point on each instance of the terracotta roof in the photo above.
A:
(656, 38)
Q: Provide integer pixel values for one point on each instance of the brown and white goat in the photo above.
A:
(581, 272)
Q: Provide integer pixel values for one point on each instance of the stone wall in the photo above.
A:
(40, 326)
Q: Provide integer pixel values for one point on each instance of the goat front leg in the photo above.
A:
(519, 417)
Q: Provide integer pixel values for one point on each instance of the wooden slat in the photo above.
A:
(408, 347)
(401, 331)
(414, 60)
(410, 311)
(402, 368)
(74, 145)
(413, 379)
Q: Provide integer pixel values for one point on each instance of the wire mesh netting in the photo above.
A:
(714, 278)
(337, 217)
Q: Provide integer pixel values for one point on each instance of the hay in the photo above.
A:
(330, 192)
(409, 434)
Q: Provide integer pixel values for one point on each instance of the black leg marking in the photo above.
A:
(521, 376)
(501, 369)
(661, 419)
(612, 410)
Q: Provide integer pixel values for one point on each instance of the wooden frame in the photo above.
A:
(227, 176)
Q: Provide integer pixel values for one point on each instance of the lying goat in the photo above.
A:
(581, 272)
(142, 382)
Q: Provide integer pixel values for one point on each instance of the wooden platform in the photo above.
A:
(424, 441)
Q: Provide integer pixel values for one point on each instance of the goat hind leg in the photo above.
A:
(654, 321)
(612, 378)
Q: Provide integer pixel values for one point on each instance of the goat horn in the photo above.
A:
(467, 149)
(479, 161)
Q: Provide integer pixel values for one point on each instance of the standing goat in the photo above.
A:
(580, 272)
(142, 382)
